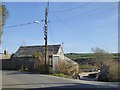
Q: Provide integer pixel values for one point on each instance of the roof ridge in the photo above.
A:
(41, 45)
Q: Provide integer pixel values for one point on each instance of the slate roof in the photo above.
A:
(4, 57)
(29, 51)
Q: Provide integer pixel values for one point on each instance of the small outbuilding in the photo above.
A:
(24, 57)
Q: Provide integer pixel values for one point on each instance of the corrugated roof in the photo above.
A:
(29, 51)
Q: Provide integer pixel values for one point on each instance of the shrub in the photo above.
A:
(66, 68)
(103, 58)
(39, 64)
(114, 73)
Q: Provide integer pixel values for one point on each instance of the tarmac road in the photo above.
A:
(15, 79)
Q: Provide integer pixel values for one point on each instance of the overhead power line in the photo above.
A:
(51, 34)
(86, 14)
(76, 31)
(70, 9)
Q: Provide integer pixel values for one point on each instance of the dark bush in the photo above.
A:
(93, 75)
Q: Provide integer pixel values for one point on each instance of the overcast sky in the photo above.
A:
(81, 26)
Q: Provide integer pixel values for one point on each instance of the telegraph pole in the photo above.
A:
(46, 38)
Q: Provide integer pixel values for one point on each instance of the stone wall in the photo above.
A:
(6, 64)
(23, 63)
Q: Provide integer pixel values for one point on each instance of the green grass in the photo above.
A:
(88, 67)
(61, 75)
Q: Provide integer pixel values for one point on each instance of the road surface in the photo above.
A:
(15, 79)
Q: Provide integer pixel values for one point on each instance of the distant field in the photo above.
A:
(74, 56)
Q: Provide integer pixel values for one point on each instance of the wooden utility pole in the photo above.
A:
(45, 38)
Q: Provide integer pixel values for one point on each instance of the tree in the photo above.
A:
(108, 66)
(3, 17)
(101, 57)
